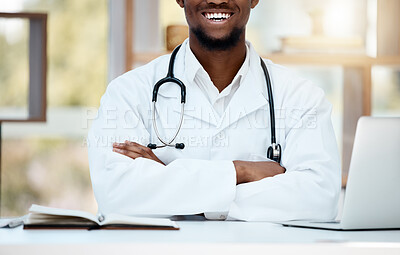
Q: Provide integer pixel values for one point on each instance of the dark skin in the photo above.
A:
(221, 65)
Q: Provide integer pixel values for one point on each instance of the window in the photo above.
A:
(46, 163)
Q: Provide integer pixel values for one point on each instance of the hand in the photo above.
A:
(135, 150)
(248, 171)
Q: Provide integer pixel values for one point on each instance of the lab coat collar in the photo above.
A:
(197, 106)
(250, 96)
(193, 66)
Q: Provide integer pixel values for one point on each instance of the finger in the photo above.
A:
(135, 144)
(131, 147)
(138, 148)
(135, 155)
(118, 145)
(128, 153)
(126, 142)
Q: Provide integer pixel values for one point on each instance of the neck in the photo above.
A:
(221, 66)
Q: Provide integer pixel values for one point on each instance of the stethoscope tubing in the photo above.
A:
(270, 101)
(169, 78)
(169, 143)
(275, 148)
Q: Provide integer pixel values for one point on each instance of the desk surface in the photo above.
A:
(200, 236)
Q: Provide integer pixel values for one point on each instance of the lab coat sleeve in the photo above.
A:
(142, 186)
(310, 188)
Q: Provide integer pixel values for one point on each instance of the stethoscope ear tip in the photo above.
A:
(154, 146)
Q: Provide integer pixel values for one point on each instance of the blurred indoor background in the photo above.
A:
(350, 48)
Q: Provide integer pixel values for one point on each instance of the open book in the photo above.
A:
(41, 217)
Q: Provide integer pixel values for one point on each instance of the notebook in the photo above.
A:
(372, 199)
(41, 217)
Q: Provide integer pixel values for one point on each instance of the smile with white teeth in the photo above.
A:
(217, 16)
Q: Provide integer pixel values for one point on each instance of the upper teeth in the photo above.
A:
(217, 15)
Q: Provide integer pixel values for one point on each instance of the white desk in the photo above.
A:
(201, 237)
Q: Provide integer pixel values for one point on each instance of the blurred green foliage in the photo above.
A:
(14, 68)
(38, 171)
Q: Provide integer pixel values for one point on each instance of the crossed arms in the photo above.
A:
(246, 171)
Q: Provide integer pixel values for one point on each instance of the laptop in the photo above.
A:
(372, 198)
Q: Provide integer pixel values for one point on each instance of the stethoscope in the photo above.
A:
(273, 152)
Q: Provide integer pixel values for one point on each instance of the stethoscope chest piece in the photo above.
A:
(274, 152)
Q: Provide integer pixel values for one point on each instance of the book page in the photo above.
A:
(130, 220)
(38, 209)
(12, 222)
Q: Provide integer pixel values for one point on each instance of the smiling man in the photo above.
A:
(223, 170)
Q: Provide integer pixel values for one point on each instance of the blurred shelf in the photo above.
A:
(333, 59)
(146, 57)
(23, 15)
(28, 119)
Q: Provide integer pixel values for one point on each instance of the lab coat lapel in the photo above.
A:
(249, 97)
(197, 106)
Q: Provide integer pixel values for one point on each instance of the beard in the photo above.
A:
(221, 44)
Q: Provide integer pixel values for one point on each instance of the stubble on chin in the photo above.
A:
(218, 44)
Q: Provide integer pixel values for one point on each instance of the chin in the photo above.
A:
(218, 42)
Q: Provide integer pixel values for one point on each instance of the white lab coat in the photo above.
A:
(201, 178)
